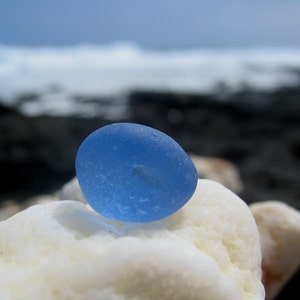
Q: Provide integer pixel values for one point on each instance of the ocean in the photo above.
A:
(50, 80)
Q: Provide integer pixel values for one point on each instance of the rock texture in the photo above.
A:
(279, 229)
(61, 250)
(37, 153)
(259, 132)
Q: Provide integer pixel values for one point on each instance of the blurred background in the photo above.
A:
(221, 77)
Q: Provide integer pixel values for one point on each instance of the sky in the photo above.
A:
(151, 23)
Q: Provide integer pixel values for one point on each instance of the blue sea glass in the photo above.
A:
(134, 173)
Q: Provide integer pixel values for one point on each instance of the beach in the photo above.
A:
(256, 131)
(239, 106)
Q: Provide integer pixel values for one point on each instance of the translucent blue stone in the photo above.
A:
(134, 173)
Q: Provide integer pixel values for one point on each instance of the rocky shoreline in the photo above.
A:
(259, 132)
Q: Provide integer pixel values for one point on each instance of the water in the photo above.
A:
(54, 78)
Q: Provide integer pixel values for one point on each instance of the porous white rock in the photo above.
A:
(279, 229)
(72, 190)
(61, 250)
(11, 207)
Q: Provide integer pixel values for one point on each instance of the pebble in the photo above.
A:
(134, 173)
(279, 229)
(220, 170)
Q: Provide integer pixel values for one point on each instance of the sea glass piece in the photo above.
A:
(134, 173)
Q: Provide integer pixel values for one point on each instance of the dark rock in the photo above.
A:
(7, 110)
(258, 131)
(37, 154)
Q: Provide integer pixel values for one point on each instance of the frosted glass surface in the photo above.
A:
(134, 173)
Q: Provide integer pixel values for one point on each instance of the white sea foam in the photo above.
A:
(112, 70)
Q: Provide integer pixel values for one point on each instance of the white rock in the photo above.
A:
(60, 250)
(11, 207)
(72, 190)
(279, 229)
